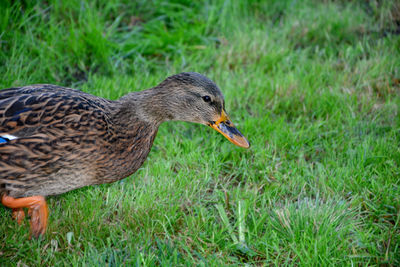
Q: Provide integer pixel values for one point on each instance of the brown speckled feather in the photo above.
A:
(66, 139)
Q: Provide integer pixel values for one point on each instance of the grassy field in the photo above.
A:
(314, 85)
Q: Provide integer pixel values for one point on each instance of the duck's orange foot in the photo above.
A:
(37, 211)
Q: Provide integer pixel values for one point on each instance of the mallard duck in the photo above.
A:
(55, 139)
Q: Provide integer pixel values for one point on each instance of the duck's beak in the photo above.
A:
(227, 129)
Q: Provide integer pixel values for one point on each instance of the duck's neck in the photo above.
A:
(152, 106)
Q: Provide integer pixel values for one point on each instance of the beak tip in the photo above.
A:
(248, 145)
(245, 144)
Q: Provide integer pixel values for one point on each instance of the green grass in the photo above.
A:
(314, 85)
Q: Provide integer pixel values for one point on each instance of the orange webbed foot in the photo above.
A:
(37, 211)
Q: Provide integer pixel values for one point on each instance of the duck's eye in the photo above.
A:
(206, 98)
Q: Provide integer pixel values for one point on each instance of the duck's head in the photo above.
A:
(192, 97)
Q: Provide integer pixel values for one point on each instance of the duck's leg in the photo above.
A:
(37, 210)
(18, 215)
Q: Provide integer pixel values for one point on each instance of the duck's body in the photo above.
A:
(55, 139)
(66, 139)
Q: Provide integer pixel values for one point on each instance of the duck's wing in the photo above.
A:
(36, 109)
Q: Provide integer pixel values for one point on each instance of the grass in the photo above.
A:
(314, 85)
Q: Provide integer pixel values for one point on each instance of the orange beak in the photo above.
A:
(227, 129)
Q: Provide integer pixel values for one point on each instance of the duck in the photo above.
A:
(55, 139)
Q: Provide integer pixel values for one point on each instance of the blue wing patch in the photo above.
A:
(6, 138)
